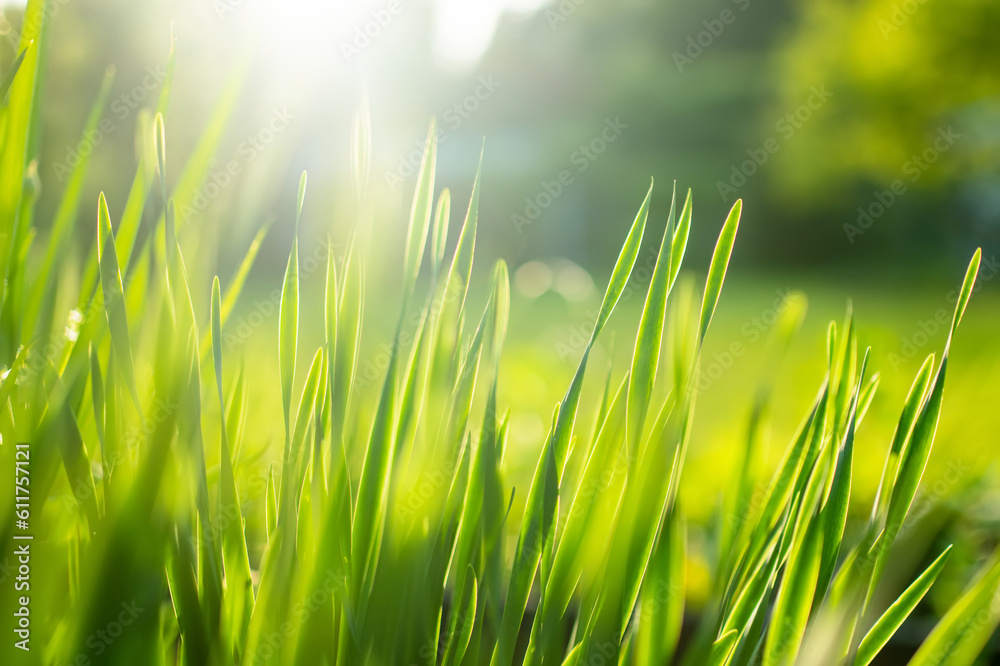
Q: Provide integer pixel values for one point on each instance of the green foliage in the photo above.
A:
(389, 530)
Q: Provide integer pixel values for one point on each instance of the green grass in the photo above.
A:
(195, 504)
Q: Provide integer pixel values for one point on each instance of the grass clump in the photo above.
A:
(590, 569)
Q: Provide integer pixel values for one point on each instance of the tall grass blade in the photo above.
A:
(896, 614)
(717, 269)
(114, 301)
(420, 214)
(965, 629)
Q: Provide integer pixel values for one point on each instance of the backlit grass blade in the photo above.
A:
(867, 396)
(178, 284)
(288, 320)
(8, 78)
(536, 525)
(646, 356)
(965, 629)
(896, 614)
(42, 299)
(114, 301)
(500, 299)
(300, 200)
(235, 286)
(350, 312)
(661, 612)
(278, 571)
(963, 297)
(914, 458)
(270, 505)
(370, 505)
(439, 235)
(748, 603)
(624, 264)
(454, 291)
(216, 316)
(296, 455)
(331, 312)
(717, 269)
(183, 585)
(288, 324)
(742, 505)
(568, 559)
(842, 371)
(239, 589)
(722, 648)
(21, 115)
(97, 398)
(789, 480)
(463, 618)
(678, 244)
(420, 214)
(236, 414)
(131, 217)
(834, 513)
(411, 399)
(10, 376)
(795, 596)
(904, 430)
(616, 285)
(60, 426)
(461, 263)
(462, 391)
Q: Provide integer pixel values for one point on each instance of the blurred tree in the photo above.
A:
(914, 116)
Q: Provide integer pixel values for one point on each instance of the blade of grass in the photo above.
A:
(964, 630)
(896, 614)
(8, 78)
(114, 301)
(717, 269)
(420, 214)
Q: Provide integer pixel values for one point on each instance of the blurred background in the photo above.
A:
(863, 137)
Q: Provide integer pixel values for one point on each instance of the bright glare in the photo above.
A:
(464, 29)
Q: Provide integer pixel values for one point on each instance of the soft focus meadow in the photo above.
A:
(502, 332)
